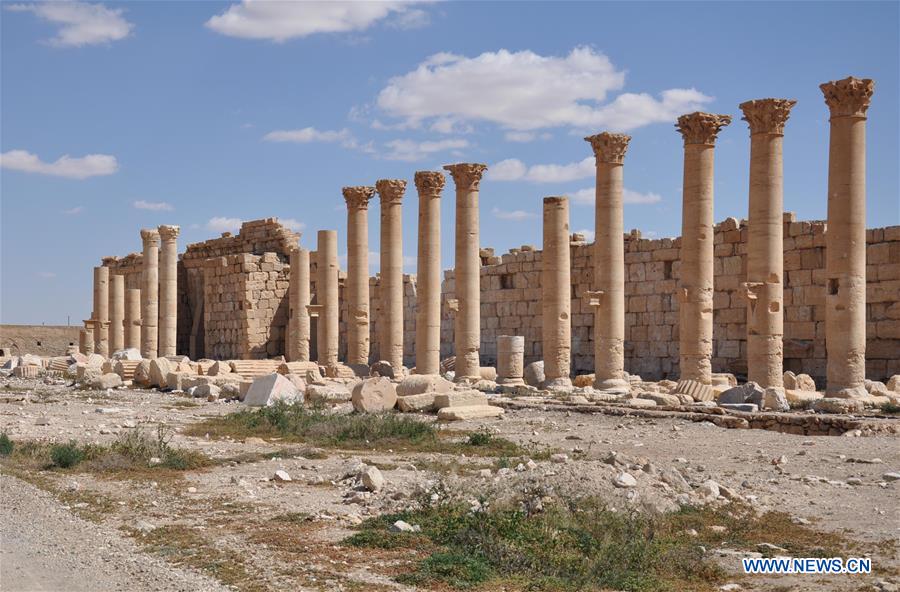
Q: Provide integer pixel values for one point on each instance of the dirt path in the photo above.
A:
(62, 552)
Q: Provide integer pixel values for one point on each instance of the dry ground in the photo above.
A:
(232, 526)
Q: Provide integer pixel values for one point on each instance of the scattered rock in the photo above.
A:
(708, 491)
(106, 381)
(469, 412)
(417, 384)
(775, 400)
(836, 405)
(271, 388)
(742, 394)
(413, 403)
(534, 374)
(374, 395)
(799, 382)
(382, 368)
(697, 390)
(460, 399)
(282, 476)
(401, 526)
(372, 479)
(625, 480)
(327, 394)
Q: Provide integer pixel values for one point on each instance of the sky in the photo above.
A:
(118, 116)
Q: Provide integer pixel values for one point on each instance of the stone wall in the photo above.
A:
(42, 340)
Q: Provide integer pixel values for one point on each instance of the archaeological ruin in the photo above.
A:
(753, 298)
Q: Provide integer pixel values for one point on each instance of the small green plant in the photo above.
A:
(66, 456)
(6, 445)
(482, 437)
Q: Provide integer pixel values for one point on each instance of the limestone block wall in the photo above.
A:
(245, 306)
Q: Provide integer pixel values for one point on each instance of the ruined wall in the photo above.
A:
(41, 340)
(245, 306)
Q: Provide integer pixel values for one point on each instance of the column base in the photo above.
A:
(613, 386)
(510, 381)
(556, 384)
(852, 392)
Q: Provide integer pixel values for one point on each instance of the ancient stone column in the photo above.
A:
(327, 298)
(765, 244)
(845, 239)
(86, 337)
(609, 263)
(100, 315)
(132, 319)
(357, 285)
(168, 290)
(695, 295)
(467, 329)
(428, 273)
(390, 290)
(150, 293)
(556, 293)
(298, 327)
(510, 359)
(116, 312)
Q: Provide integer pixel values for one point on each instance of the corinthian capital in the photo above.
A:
(168, 232)
(849, 97)
(767, 116)
(466, 175)
(150, 236)
(609, 147)
(390, 190)
(701, 128)
(430, 183)
(358, 197)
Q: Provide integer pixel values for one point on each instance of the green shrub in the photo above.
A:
(6, 445)
(66, 456)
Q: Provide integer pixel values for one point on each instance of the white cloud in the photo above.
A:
(280, 21)
(560, 173)
(292, 224)
(514, 215)
(92, 165)
(410, 150)
(587, 197)
(523, 91)
(223, 224)
(80, 23)
(73, 211)
(307, 135)
(588, 234)
(511, 169)
(156, 206)
(520, 136)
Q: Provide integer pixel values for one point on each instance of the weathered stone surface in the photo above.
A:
(374, 395)
(297, 381)
(801, 398)
(417, 384)
(175, 380)
(742, 394)
(460, 399)
(207, 391)
(488, 373)
(85, 374)
(583, 380)
(420, 402)
(26, 371)
(372, 479)
(639, 403)
(798, 382)
(382, 368)
(893, 383)
(723, 379)
(662, 399)
(328, 394)
(106, 381)
(130, 353)
(469, 412)
(838, 405)
(271, 388)
(746, 407)
(775, 399)
(625, 480)
(534, 374)
(697, 390)
(142, 374)
(159, 372)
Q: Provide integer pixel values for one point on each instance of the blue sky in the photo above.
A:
(117, 116)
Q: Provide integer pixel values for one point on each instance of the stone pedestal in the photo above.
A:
(556, 293)
(510, 359)
(695, 293)
(390, 289)
(845, 241)
(101, 311)
(327, 298)
(150, 293)
(116, 312)
(168, 290)
(132, 319)
(428, 273)
(765, 243)
(609, 263)
(357, 284)
(467, 330)
(298, 315)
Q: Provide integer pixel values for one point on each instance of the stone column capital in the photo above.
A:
(466, 175)
(767, 116)
(358, 196)
(168, 232)
(609, 147)
(701, 128)
(849, 97)
(429, 183)
(150, 236)
(390, 190)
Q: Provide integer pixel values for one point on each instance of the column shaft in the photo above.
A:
(298, 331)
(101, 311)
(150, 294)
(168, 290)
(696, 289)
(357, 285)
(327, 298)
(428, 273)
(391, 286)
(116, 312)
(510, 359)
(556, 293)
(132, 319)
(467, 275)
(845, 239)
